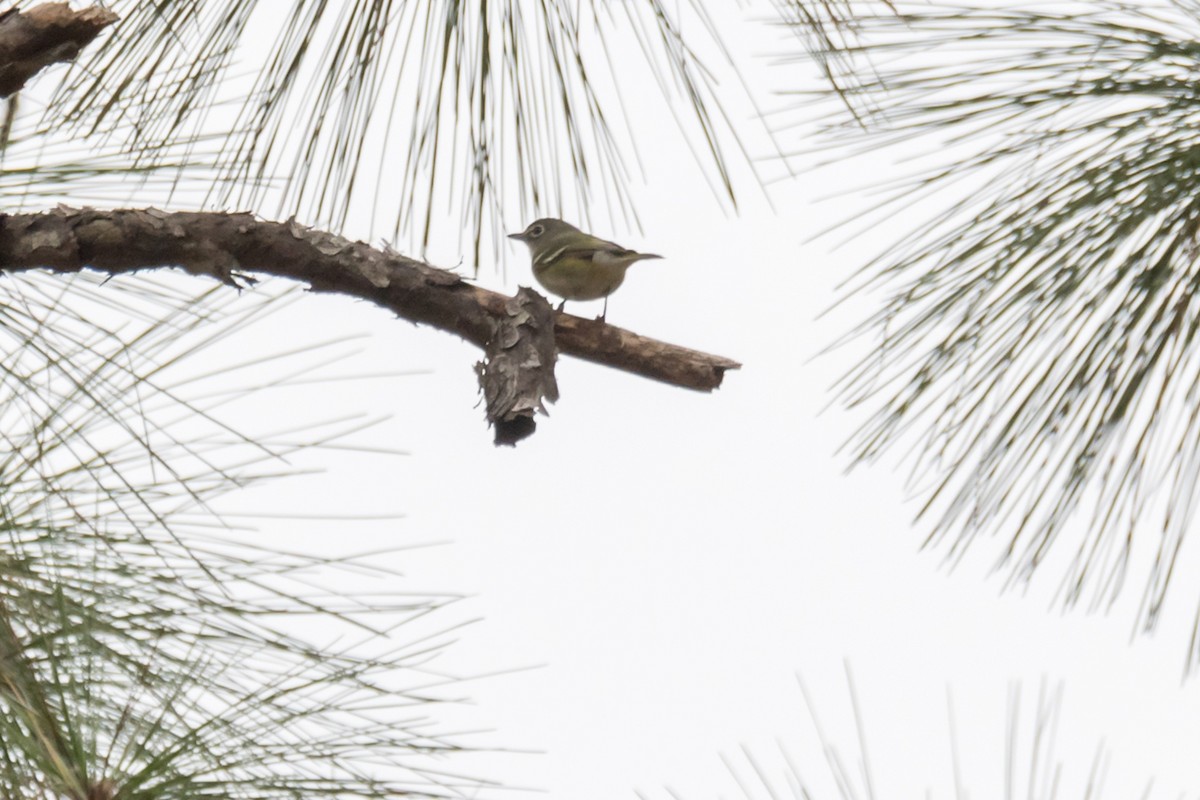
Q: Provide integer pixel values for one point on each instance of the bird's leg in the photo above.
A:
(561, 306)
(604, 313)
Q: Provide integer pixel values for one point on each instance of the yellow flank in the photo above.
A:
(584, 275)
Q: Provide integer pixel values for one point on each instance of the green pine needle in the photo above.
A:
(1037, 340)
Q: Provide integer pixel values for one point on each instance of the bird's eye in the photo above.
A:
(536, 231)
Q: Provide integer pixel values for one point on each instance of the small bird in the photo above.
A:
(575, 265)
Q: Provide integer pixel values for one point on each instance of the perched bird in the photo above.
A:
(575, 265)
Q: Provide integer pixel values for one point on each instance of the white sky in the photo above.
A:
(669, 561)
(665, 563)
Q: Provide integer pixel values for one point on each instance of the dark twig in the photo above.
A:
(46, 34)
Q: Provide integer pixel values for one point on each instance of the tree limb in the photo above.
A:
(46, 34)
(519, 335)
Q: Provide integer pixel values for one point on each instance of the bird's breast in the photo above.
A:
(573, 278)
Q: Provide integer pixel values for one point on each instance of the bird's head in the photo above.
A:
(542, 230)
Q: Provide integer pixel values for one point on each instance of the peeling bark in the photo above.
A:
(518, 373)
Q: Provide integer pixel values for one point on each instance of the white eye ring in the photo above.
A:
(536, 231)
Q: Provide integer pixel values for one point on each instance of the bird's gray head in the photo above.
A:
(543, 229)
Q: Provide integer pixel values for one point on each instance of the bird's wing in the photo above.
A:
(597, 250)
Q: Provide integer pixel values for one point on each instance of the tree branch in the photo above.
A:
(519, 335)
(46, 34)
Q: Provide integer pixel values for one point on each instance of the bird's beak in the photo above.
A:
(520, 237)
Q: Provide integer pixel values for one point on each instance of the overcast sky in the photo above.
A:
(652, 570)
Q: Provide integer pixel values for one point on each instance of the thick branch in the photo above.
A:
(46, 34)
(221, 245)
